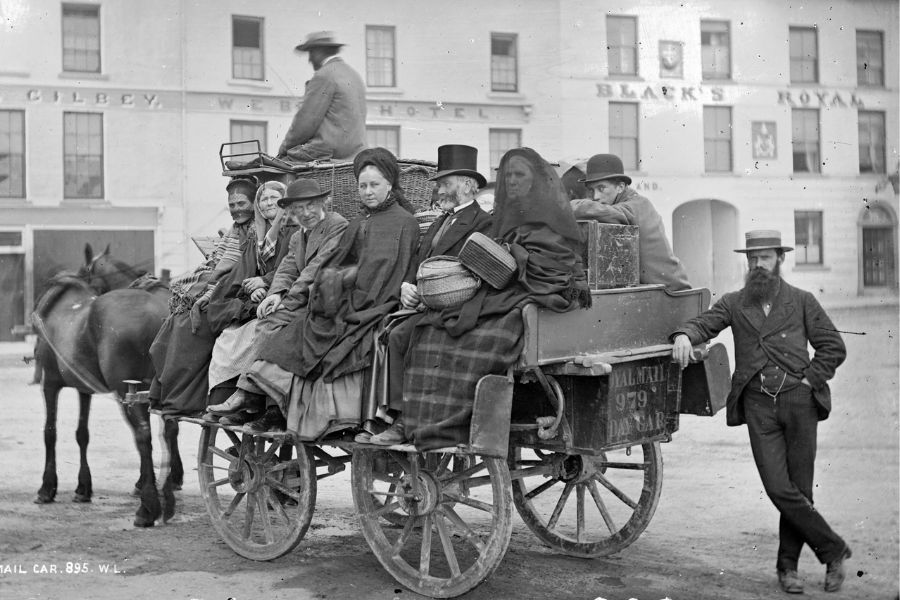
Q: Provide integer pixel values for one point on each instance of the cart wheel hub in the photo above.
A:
(570, 468)
(246, 476)
(421, 499)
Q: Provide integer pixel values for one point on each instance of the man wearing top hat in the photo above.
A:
(457, 181)
(780, 393)
(614, 201)
(316, 239)
(331, 121)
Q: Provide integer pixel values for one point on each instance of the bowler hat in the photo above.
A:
(458, 159)
(302, 189)
(605, 166)
(248, 182)
(763, 239)
(315, 39)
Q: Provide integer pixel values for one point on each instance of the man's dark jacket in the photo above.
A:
(469, 220)
(795, 318)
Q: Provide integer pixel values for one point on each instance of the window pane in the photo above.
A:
(808, 237)
(83, 155)
(385, 137)
(871, 142)
(81, 38)
(246, 131)
(380, 56)
(805, 140)
(12, 154)
(804, 55)
(717, 138)
(715, 49)
(504, 68)
(502, 141)
(623, 132)
(869, 58)
(246, 51)
(621, 42)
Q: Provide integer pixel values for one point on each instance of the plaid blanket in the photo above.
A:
(442, 371)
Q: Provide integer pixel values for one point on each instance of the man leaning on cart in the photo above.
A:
(780, 394)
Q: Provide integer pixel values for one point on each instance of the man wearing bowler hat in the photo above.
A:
(457, 181)
(614, 201)
(331, 121)
(780, 394)
(316, 239)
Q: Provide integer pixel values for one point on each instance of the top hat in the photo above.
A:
(763, 239)
(605, 166)
(300, 190)
(318, 39)
(457, 159)
(248, 181)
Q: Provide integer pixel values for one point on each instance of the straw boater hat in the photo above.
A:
(318, 39)
(605, 166)
(763, 239)
(300, 190)
(457, 159)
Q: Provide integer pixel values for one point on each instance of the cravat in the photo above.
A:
(448, 221)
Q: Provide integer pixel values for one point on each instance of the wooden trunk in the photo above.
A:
(611, 255)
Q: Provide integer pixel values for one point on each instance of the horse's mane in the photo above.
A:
(58, 285)
(148, 283)
(126, 269)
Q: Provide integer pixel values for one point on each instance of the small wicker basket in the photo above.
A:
(489, 260)
(443, 282)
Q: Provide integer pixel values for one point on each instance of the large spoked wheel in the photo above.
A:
(260, 492)
(587, 506)
(440, 530)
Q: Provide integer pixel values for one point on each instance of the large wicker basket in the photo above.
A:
(488, 259)
(443, 282)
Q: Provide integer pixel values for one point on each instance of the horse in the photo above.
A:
(105, 273)
(93, 343)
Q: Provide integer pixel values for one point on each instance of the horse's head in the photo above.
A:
(104, 273)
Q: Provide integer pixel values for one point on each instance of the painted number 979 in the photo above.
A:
(631, 401)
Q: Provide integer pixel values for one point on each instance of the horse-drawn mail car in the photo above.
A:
(570, 436)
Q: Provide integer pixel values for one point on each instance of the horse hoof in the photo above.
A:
(44, 499)
(142, 522)
(136, 492)
(81, 498)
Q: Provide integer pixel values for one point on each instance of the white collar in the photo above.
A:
(328, 60)
(456, 209)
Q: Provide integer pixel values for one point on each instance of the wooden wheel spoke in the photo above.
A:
(232, 505)
(469, 535)
(278, 507)
(386, 478)
(218, 482)
(425, 550)
(615, 491)
(222, 454)
(447, 543)
(384, 509)
(560, 504)
(235, 440)
(443, 463)
(469, 501)
(268, 454)
(263, 512)
(601, 506)
(540, 489)
(622, 465)
(579, 512)
(283, 488)
(248, 519)
(403, 537)
(400, 459)
(467, 474)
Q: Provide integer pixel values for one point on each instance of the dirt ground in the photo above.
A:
(714, 534)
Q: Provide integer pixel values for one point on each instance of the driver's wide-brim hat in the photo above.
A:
(763, 239)
(458, 159)
(319, 39)
(604, 166)
(300, 190)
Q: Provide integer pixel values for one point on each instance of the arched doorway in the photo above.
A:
(704, 235)
(878, 256)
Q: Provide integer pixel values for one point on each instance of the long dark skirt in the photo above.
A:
(181, 359)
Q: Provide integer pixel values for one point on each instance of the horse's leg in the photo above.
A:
(177, 468)
(171, 462)
(148, 512)
(85, 489)
(47, 493)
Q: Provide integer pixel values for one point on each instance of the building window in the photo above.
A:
(82, 155)
(715, 49)
(870, 58)
(12, 154)
(805, 140)
(500, 142)
(621, 44)
(380, 56)
(385, 136)
(623, 133)
(808, 237)
(247, 48)
(871, 142)
(504, 62)
(248, 131)
(717, 138)
(804, 55)
(81, 38)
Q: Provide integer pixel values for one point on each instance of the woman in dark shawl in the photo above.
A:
(315, 367)
(452, 349)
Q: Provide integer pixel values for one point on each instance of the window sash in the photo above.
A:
(501, 141)
(717, 138)
(804, 55)
(81, 38)
(245, 131)
(385, 136)
(805, 140)
(621, 34)
(623, 133)
(715, 49)
(870, 58)
(808, 237)
(504, 63)
(247, 48)
(871, 142)
(82, 155)
(380, 53)
(12, 154)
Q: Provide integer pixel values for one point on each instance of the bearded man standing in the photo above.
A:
(780, 394)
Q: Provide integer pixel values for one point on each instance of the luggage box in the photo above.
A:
(611, 255)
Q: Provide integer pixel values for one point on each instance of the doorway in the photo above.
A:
(704, 235)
